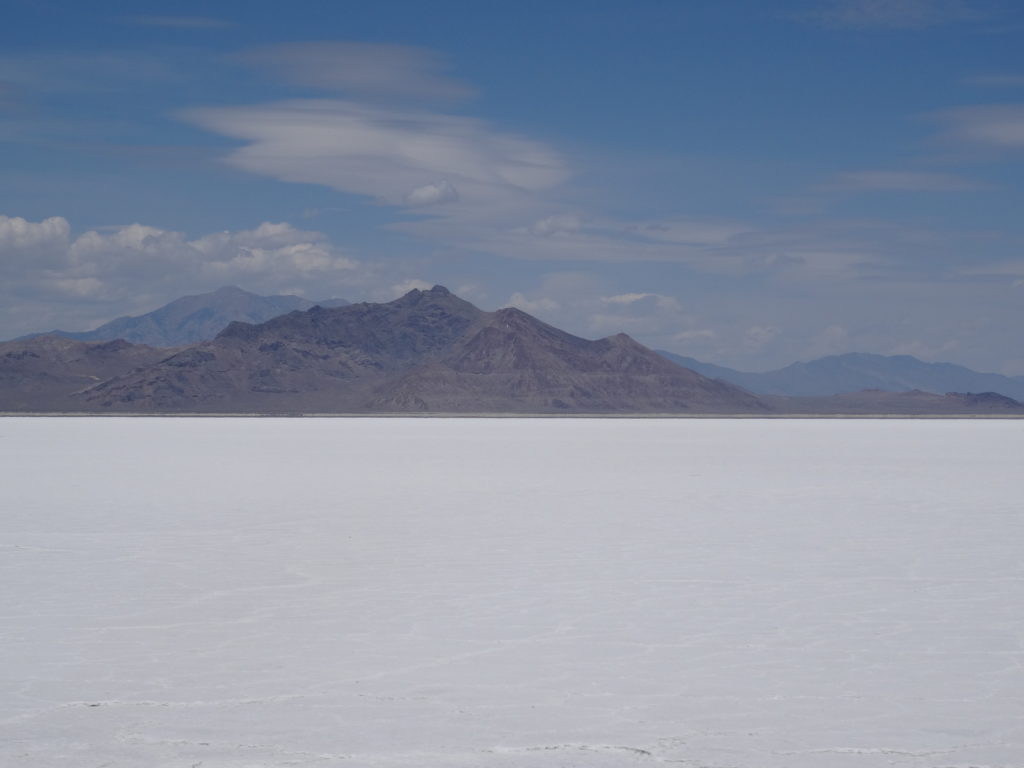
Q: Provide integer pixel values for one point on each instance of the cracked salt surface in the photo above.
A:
(234, 593)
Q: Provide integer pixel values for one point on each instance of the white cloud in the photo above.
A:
(1000, 125)
(432, 194)
(412, 284)
(579, 303)
(556, 225)
(270, 248)
(654, 299)
(136, 267)
(477, 189)
(698, 334)
(32, 245)
(383, 153)
(539, 306)
(895, 14)
(366, 69)
(626, 298)
(81, 287)
(759, 335)
(269, 251)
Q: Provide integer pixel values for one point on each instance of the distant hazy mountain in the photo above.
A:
(838, 374)
(428, 351)
(910, 403)
(194, 318)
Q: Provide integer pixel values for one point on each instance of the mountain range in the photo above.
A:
(854, 372)
(43, 373)
(428, 351)
(191, 319)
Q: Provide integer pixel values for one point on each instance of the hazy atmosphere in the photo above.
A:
(747, 183)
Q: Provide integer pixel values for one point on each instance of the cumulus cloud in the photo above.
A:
(542, 305)
(895, 14)
(383, 153)
(626, 298)
(32, 244)
(580, 303)
(556, 225)
(697, 334)
(432, 194)
(412, 284)
(275, 251)
(657, 300)
(136, 266)
(366, 69)
(759, 335)
(651, 317)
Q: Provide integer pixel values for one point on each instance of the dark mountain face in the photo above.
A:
(427, 351)
(41, 374)
(192, 319)
(855, 372)
(513, 362)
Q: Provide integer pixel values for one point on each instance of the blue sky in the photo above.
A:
(749, 183)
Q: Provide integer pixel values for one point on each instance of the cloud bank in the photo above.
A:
(121, 269)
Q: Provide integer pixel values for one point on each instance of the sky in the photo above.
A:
(747, 183)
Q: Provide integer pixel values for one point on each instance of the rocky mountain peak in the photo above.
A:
(428, 350)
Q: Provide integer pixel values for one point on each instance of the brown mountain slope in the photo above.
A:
(514, 362)
(42, 373)
(427, 351)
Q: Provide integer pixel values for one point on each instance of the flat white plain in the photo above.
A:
(232, 593)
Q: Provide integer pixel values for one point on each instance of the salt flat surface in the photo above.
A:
(232, 593)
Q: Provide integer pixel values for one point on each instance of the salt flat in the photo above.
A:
(232, 593)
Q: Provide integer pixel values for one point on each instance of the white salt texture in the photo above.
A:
(236, 593)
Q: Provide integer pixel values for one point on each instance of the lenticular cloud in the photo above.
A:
(383, 152)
